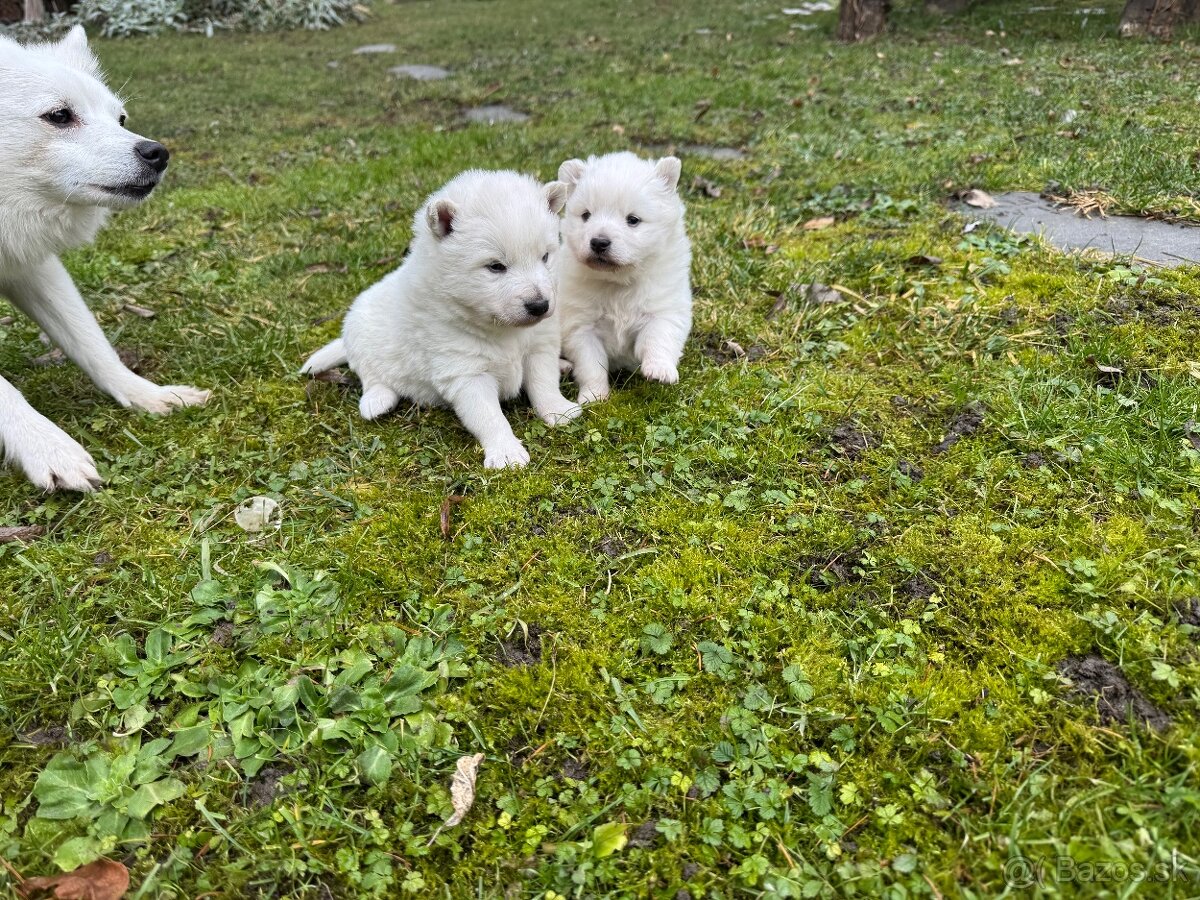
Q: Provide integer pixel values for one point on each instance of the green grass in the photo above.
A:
(763, 613)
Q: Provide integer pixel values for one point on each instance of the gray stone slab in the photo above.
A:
(420, 72)
(724, 154)
(375, 48)
(490, 115)
(1160, 242)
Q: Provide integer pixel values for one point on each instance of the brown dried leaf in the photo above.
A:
(103, 879)
(462, 787)
(141, 311)
(818, 223)
(979, 199)
(21, 533)
(447, 505)
(705, 187)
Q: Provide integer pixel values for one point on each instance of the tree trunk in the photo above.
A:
(35, 10)
(861, 19)
(1156, 17)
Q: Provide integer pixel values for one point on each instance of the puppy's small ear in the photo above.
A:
(556, 196)
(667, 169)
(75, 52)
(571, 171)
(440, 215)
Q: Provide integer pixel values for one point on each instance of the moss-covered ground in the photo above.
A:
(793, 627)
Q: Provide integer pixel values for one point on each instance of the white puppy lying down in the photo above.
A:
(623, 285)
(66, 159)
(466, 321)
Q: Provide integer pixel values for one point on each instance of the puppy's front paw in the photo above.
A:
(592, 393)
(52, 460)
(664, 372)
(162, 400)
(506, 456)
(561, 412)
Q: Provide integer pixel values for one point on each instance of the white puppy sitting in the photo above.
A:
(623, 282)
(66, 159)
(466, 321)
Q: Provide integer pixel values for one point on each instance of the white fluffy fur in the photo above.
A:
(446, 330)
(631, 307)
(57, 186)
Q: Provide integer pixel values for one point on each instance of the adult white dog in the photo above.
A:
(66, 160)
(467, 320)
(623, 280)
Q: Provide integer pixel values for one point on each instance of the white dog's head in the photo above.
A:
(622, 211)
(491, 236)
(62, 132)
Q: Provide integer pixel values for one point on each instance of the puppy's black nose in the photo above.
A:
(537, 307)
(153, 154)
(600, 245)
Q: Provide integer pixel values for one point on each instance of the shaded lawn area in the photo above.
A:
(792, 627)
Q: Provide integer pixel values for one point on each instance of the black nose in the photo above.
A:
(537, 307)
(153, 154)
(600, 244)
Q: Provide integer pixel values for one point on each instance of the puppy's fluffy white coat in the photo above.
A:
(468, 318)
(623, 277)
(66, 160)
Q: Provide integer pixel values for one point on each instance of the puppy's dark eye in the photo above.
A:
(545, 257)
(60, 118)
(586, 216)
(121, 121)
(631, 221)
(497, 267)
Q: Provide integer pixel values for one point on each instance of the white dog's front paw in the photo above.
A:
(592, 393)
(663, 372)
(506, 456)
(52, 459)
(561, 412)
(158, 400)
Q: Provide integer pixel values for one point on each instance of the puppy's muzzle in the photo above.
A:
(600, 245)
(537, 306)
(153, 154)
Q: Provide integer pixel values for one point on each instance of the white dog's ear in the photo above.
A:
(556, 196)
(667, 170)
(571, 171)
(440, 215)
(75, 52)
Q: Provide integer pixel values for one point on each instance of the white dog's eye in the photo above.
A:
(497, 267)
(545, 257)
(121, 121)
(631, 221)
(586, 216)
(60, 118)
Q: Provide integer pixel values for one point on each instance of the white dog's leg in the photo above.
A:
(39, 448)
(377, 401)
(47, 295)
(542, 385)
(589, 361)
(477, 403)
(658, 348)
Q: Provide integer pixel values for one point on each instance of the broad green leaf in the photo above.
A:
(76, 852)
(190, 741)
(148, 796)
(375, 765)
(608, 838)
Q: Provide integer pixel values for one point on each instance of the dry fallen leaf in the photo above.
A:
(979, 199)
(103, 879)
(141, 311)
(447, 505)
(21, 533)
(818, 223)
(705, 187)
(462, 787)
(257, 513)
